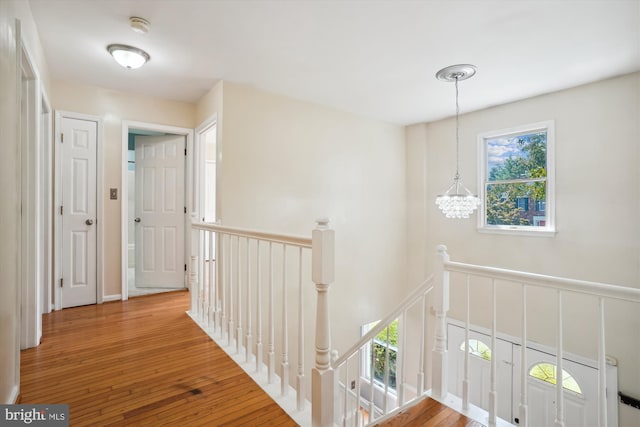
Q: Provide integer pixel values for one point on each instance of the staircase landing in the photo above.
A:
(429, 413)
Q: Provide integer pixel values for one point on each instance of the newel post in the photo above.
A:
(440, 306)
(322, 379)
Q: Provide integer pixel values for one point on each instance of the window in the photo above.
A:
(375, 354)
(478, 348)
(516, 176)
(547, 372)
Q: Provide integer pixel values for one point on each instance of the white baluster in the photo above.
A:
(401, 359)
(372, 368)
(358, 418)
(285, 327)
(300, 383)
(441, 306)
(559, 421)
(218, 281)
(524, 408)
(420, 380)
(345, 409)
(322, 377)
(203, 309)
(271, 354)
(602, 369)
(386, 375)
(258, 310)
(249, 338)
(239, 276)
(230, 329)
(223, 288)
(212, 287)
(193, 282)
(493, 394)
(465, 381)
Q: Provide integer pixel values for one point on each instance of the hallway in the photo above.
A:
(140, 362)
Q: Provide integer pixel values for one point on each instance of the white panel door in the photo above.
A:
(79, 235)
(159, 213)
(580, 410)
(480, 370)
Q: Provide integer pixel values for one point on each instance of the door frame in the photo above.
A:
(59, 116)
(47, 203)
(127, 125)
(35, 245)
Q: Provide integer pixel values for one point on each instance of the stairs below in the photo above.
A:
(428, 413)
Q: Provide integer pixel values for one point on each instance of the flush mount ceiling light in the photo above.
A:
(457, 201)
(128, 56)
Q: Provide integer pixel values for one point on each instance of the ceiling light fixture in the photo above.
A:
(457, 201)
(128, 56)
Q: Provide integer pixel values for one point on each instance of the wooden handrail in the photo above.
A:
(580, 286)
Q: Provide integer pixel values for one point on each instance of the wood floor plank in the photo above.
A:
(140, 362)
(429, 413)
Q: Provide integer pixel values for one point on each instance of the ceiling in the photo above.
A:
(376, 58)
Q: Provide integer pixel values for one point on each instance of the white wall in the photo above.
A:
(11, 10)
(114, 107)
(286, 163)
(598, 238)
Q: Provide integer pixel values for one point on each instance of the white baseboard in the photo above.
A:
(108, 298)
(13, 396)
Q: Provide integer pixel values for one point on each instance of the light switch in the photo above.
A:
(113, 193)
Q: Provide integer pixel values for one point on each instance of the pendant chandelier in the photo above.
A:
(457, 201)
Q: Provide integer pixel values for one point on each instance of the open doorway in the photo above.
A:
(154, 207)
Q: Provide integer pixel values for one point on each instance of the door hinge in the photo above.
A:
(61, 282)
(61, 209)
(185, 267)
(185, 209)
(62, 137)
(185, 151)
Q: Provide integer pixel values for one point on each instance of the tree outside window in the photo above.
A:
(516, 178)
(378, 353)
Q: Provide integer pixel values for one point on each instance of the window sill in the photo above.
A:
(516, 231)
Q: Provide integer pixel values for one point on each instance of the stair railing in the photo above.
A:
(524, 281)
(245, 284)
(361, 398)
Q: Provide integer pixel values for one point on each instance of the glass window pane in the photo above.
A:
(516, 204)
(547, 373)
(517, 157)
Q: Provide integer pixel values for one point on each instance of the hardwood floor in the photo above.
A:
(429, 413)
(141, 362)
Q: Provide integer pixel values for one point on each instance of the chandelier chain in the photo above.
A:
(457, 133)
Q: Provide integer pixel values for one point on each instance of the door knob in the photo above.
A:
(89, 222)
(137, 219)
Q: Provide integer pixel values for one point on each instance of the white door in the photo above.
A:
(580, 407)
(79, 235)
(160, 211)
(480, 369)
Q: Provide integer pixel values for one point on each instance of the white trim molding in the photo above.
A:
(109, 298)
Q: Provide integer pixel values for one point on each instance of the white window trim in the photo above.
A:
(549, 230)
